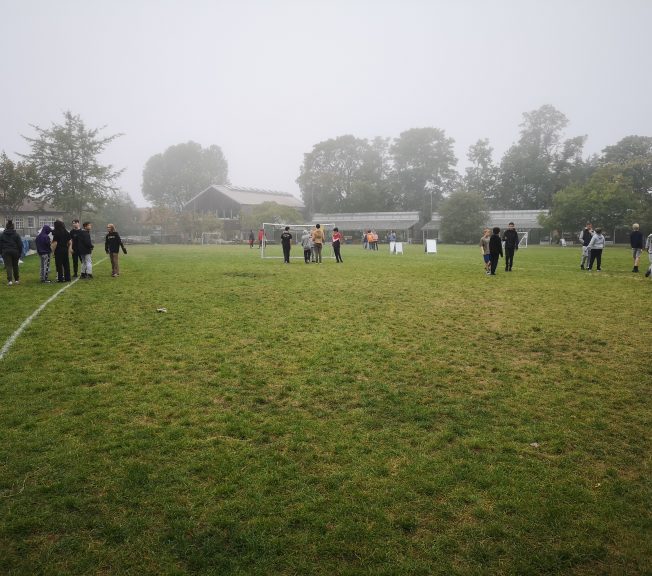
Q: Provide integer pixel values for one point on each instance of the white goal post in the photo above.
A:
(211, 238)
(522, 240)
(271, 245)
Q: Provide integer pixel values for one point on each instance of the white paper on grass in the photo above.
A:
(431, 246)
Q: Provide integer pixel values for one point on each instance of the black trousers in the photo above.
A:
(76, 259)
(509, 257)
(306, 254)
(286, 253)
(494, 262)
(11, 258)
(596, 256)
(62, 263)
(336, 249)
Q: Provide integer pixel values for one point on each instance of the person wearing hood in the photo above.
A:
(11, 247)
(61, 246)
(306, 244)
(44, 249)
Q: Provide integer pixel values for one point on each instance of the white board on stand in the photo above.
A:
(398, 247)
(431, 246)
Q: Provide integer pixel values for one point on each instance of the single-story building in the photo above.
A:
(33, 215)
(228, 203)
(354, 224)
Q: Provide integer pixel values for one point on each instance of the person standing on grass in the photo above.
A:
(318, 241)
(648, 247)
(510, 236)
(61, 246)
(261, 236)
(11, 247)
(306, 244)
(251, 238)
(44, 249)
(75, 231)
(495, 249)
(636, 242)
(596, 245)
(484, 248)
(286, 243)
(585, 238)
(84, 250)
(337, 238)
(112, 245)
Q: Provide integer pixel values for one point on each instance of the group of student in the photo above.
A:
(370, 240)
(491, 246)
(63, 244)
(312, 243)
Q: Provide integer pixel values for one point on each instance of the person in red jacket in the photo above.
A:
(337, 239)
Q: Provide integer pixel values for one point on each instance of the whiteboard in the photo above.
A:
(431, 246)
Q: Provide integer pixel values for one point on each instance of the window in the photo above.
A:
(19, 222)
(30, 221)
(43, 220)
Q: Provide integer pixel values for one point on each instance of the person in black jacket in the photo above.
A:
(510, 236)
(585, 238)
(75, 231)
(61, 246)
(637, 243)
(495, 249)
(112, 245)
(286, 242)
(84, 250)
(11, 247)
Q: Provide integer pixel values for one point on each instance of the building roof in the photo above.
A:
(370, 220)
(251, 196)
(33, 205)
(523, 219)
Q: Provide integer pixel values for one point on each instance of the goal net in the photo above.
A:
(211, 238)
(271, 245)
(522, 239)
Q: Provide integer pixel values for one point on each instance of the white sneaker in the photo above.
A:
(9, 283)
(17, 282)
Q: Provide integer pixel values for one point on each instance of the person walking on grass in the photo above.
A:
(596, 245)
(61, 246)
(251, 238)
(648, 247)
(75, 231)
(636, 242)
(112, 245)
(11, 247)
(585, 238)
(495, 249)
(318, 241)
(510, 236)
(44, 249)
(306, 244)
(286, 243)
(84, 250)
(484, 249)
(337, 238)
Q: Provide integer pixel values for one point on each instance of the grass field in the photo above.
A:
(390, 415)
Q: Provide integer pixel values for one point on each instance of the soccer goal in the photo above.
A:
(522, 239)
(271, 246)
(211, 238)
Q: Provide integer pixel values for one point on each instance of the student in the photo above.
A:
(261, 236)
(585, 238)
(11, 247)
(61, 246)
(495, 249)
(251, 238)
(112, 245)
(337, 238)
(636, 242)
(286, 243)
(596, 245)
(44, 249)
(484, 248)
(648, 247)
(84, 249)
(318, 241)
(306, 244)
(75, 231)
(510, 236)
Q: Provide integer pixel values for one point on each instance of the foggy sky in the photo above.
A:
(266, 80)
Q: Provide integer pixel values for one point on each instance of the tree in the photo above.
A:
(482, 176)
(463, 214)
(69, 173)
(270, 212)
(17, 181)
(422, 156)
(172, 178)
(121, 211)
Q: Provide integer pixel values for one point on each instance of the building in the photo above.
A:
(33, 215)
(229, 203)
(353, 224)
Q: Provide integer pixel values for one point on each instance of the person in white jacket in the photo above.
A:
(596, 245)
(648, 247)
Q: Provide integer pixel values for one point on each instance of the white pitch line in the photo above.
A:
(10, 341)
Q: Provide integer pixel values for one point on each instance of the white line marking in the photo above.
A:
(10, 341)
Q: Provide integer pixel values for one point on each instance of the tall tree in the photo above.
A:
(17, 181)
(482, 175)
(463, 214)
(270, 212)
(172, 178)
(424, 164)
(66, 158)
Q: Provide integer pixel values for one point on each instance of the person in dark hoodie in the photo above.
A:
(75, 231)
(44, 249)
(112, 245)
(495, 249)
(11, 247)
(510, 236)
(61, 246)
(84, 250)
